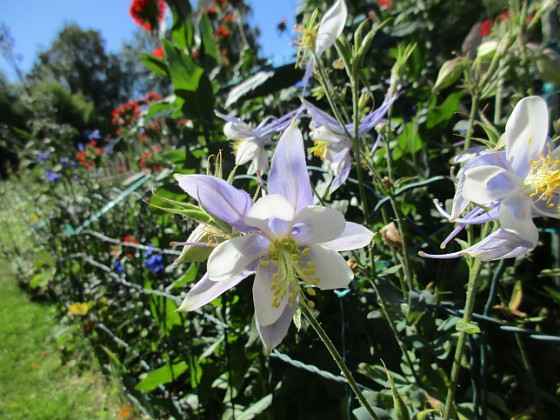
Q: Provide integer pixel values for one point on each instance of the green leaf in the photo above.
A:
(442, 114)
(255, 409)
(182, 30)
(190, 275)
(160, 376)
(209, 47)
(154, 64)
(400, 406)
(185, 73)
(467, 327)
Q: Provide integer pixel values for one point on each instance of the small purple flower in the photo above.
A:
(43, 156)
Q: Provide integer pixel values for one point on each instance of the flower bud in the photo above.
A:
(448, 74)
(487, 50)
(194, 253)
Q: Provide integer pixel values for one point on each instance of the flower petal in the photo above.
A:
(288, 171)
(246, 151)
(515, 216)
(219, 198)
(355, 236)
(460, 203)
(526, 132)
(316, 224)
(326, 134)
(273, 334)
(485, 184)
(498, 245)
(330, 267)
(331, 26)
(263, 296)
(271, 215)
(233, 256)
(206, 290)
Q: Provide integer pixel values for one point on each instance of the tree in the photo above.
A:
(78, 60)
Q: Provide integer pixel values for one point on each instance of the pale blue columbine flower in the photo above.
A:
(289, 244)
(249, 142)
(332, 143)
(313, 42)
(512, 186)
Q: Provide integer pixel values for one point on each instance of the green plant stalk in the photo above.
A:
(396, 209)
(472, 115)
(472, 286)
(530, 373)
(393, 327)
(338, 359)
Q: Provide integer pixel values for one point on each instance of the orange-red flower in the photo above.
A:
(147, 13)
(158, 52)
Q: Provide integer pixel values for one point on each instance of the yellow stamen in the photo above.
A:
(544, 179)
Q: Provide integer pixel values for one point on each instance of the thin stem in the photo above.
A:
(472, 115)
(472, 286)
(338, 359)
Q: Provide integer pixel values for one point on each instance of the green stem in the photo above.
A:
(338, 359)
(472, 115)
(472, 286)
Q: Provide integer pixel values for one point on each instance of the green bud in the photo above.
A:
(449, 74)
(194, 253)
(486, 50)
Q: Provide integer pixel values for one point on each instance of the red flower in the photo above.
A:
(152, 96)
(485, 27)
(211, 12)
(223, 32)
(158, 52)
(229, 18)
(384, 4)
(147, 13)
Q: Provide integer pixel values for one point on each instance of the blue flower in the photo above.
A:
(154, 262)
(43, 156)
(52, 176)
(118, 266)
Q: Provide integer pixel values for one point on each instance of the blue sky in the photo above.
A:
(34, 25)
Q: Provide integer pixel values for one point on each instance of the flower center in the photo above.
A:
(286, 255)
(305, 42)
(320, 149)
(544, 178)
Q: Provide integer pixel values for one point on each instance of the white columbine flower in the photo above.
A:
(314, 42)
(249, 142)
(512, 186)
(289, 244)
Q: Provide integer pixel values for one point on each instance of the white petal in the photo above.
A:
(515, 216)
(331, 26)
(238, 131)
(206, 290)
(329, 266)
(526, 132)
(246, 151)
(263, 296)
(231, 257)
(325, 134)
(316, 224)
(355, 236)
(485, 184)
(268, 208)
(272, 335)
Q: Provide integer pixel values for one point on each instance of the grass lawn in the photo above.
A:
(34, 382)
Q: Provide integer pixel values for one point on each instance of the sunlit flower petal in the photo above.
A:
(485, 184)
(355, 236)
(272, 335)
(526, 132)
(331, 26)
(267, 310)
(206, 290)
(231, 257)
(219, 198)
(330, 269)
(288, 171)
(316, 224)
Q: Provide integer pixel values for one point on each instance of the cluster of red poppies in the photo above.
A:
(147, 13)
